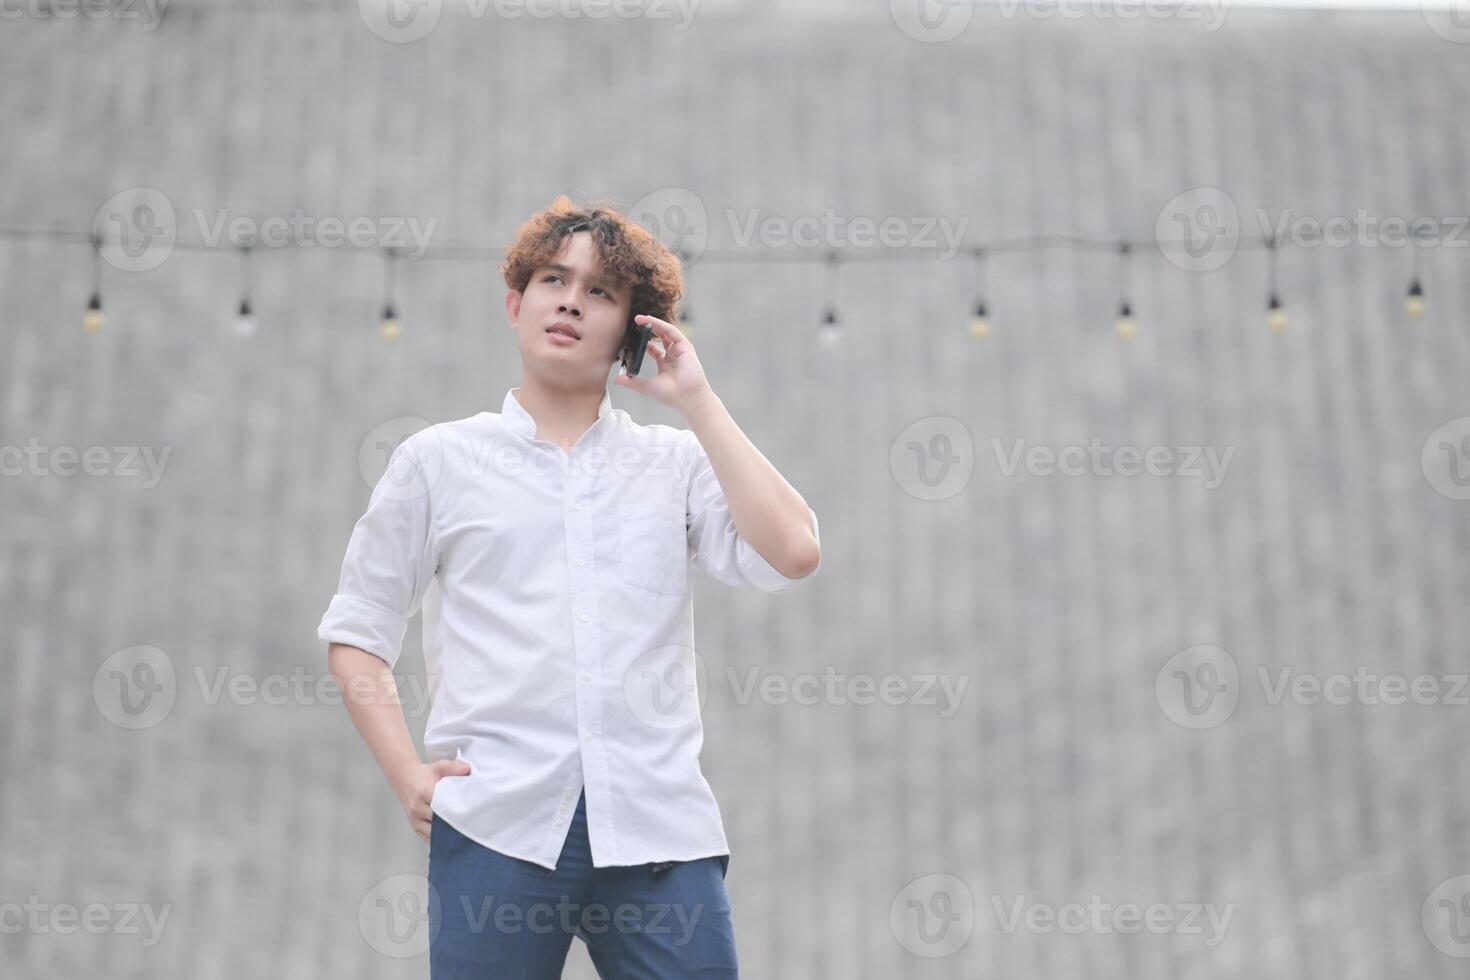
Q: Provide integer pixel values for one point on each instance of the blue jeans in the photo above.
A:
(502, 918)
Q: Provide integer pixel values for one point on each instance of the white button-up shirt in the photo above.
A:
(557, 625)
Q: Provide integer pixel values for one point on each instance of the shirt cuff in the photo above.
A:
(364, 624)
(763, 575)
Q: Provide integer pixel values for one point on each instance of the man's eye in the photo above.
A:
(549, 276)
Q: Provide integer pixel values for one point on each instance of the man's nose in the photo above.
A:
(571, 306)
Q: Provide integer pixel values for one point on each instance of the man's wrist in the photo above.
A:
(699, 405)
(400, 772)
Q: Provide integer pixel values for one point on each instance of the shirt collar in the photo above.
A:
(519, 421)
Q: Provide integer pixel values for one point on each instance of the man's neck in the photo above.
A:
(561, 414)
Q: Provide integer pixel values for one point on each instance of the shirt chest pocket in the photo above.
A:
(654, 547)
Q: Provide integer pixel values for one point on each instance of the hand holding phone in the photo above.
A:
(635, 345)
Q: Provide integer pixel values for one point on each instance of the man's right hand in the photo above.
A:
(417, 790)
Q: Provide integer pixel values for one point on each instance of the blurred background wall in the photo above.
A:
(1085, 668)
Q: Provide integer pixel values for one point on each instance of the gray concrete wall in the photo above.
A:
(1066, 770)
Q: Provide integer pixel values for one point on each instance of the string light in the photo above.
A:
(1125, 325)
(831, 331)
(1414, 301)
(979, 322)
(1275, 315)
(93, 319)
(244, 319)
(388, 325)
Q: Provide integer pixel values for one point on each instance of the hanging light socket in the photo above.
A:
(1275, 315)
(1414, 302)
(93, 319)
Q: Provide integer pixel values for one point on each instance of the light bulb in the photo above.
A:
(92, 320)
(979, 322)
(388, 325)
(245, 320)
(1414, 302)
(1126, 326)
(830, 331)
(1275, 315)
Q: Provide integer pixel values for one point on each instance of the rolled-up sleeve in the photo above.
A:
(391, 559)
(716, 547)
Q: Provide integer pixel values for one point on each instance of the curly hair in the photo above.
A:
(630, 254)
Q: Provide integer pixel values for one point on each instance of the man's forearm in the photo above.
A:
(768, 512)
(371, 696)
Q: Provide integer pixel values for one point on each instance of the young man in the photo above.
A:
(549, 548)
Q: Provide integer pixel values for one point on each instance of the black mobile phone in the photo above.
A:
(635, 345)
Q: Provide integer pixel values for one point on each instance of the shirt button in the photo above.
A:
(585, 617)
(576, 506)
(561, 809)
(586, 675)
(580, 562)
(589, 736)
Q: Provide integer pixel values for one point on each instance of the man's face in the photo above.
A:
(570, 290)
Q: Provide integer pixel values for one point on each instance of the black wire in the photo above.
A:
(851, 254)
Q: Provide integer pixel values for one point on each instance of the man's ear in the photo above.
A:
(513, 306)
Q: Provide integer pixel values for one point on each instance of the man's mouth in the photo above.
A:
(564, 330)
